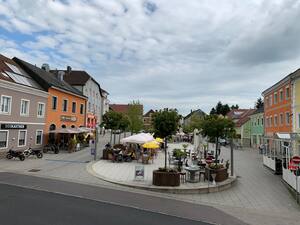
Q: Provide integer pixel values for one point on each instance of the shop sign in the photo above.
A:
(294, 163)
(68, 118)
(139, 172)
(13, 126)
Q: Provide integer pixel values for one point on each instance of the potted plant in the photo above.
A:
(165, 124)
(218, 169)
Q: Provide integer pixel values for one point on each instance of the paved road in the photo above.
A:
(25, 206)
(32, 200)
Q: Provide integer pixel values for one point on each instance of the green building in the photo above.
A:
(257, 127)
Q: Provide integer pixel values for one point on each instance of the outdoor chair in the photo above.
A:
(182, 177)
(202, 172)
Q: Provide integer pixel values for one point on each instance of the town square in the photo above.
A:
(149, 112)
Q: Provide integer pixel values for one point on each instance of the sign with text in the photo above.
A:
(68, 118)
(139, 172)
(13, 126)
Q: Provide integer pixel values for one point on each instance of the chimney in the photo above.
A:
(69, 69)
(60, 75)
(46, 67)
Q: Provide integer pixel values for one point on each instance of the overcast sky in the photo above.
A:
(184, 54)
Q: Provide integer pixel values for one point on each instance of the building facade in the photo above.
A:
(90, 88)
(147, 118)
(66, 106)
(257, 127)
(104, 102)
(23, 106)
(187, 119)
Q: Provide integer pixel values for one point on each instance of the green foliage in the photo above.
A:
(185, 146)
(215, 166)
(214, 126)
(221, 109)
(234, 106)
(115, 121)
(177, 153)
(135, 116)
(165, 122)
(259, 103)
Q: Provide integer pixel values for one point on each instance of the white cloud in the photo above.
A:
(183, 54)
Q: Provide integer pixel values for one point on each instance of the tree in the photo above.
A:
(215, 127)
(213, 111)
(135, 116)
(165, 123)
(220, 109)
(234, 107)
(259, 103)
(112, 121)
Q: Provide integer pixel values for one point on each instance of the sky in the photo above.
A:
(166, 54)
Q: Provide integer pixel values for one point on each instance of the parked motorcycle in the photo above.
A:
(37, 152)
(15, 154)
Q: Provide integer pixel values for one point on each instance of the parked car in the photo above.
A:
(223, 142)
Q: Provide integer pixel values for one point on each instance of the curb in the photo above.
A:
(172, 190)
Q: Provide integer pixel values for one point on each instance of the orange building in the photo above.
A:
(66, 106)
(278, 107)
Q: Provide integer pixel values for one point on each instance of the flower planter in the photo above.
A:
(164, 178)
(222, 174)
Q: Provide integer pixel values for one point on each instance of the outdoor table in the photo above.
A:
(192, 171)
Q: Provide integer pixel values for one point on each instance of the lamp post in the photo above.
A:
(231, 157)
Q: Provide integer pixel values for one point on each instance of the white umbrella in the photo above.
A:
(138, 138)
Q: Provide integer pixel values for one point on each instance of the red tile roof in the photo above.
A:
(121, 108)
(241, 116)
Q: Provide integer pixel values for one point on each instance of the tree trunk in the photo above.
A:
(216, 154)
(165, 148)
(110, 137)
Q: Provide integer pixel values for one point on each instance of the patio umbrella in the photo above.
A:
(141, 138)
(151, 145)
(160, 140)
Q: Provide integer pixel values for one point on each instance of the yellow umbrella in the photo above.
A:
(151, 144)
(159, 140)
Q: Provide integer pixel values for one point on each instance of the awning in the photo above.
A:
(66, 131)
(283, 135)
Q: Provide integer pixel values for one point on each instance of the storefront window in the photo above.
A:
(22, 138)
(3, 139)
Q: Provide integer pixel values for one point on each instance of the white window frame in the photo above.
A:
(289, 92)
(281, 99)
(275, 120)
(9, 110)
(7, 138)
(27, 113)
(63, 104)
(81, 104)
(275, 99)
(43, 113)
(287, 118)
(75, 107)
(41, 137)
(53, 96)
(25, 141)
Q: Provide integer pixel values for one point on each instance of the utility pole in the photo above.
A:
(231, 157)
(96, 144)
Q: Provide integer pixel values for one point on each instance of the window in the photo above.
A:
(89, 106)
(54, 102)
(39, 137)
(281, 119)
(275, 98)
(287, 92)
(270, 100)
(22, 138)
(6, 104)
(3, 138)
(258, 121)
(73, 107)
(287, 118)
(262, 121)
(271, 121)
(81, 108)
(24, 107)
(65, 105)
(41, 109)
(267, 102)
(281, 95)
(275, 121)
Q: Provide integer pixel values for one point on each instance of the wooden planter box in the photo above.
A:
(162, 178)
(222, 174)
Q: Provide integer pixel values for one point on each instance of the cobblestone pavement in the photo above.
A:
(258, 197)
